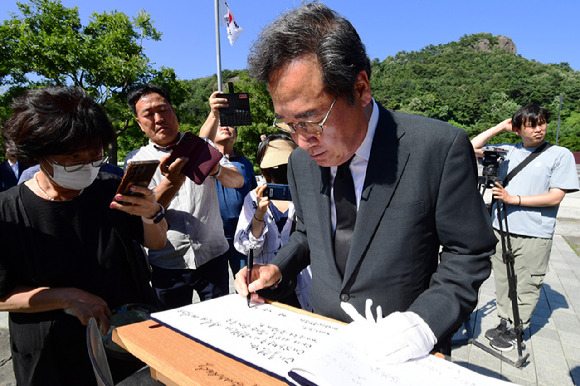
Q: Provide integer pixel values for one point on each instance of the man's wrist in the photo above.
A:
(176, 183)
(216, 175)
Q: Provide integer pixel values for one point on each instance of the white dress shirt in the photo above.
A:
(358, 165)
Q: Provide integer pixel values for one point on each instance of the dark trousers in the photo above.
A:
(174, 287)
(50, 348)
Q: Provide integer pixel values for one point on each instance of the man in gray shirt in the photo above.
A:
(194, 256)
(531, 201)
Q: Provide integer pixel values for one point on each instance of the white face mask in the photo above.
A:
(77, 180)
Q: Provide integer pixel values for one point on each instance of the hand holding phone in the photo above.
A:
(203, 157)
(138, 173)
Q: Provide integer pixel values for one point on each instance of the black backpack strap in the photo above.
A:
(525, 162)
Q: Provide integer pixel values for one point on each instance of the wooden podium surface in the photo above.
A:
(178, 360)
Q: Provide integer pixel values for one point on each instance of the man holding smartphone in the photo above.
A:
(194, 256)
(231, 200)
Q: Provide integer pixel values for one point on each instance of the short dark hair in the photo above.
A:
(53, 121)
(532, 114)
(137, 92)
(312, 29)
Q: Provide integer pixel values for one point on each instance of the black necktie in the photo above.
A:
(345, 204)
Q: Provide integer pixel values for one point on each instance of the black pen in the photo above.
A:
(249, 273)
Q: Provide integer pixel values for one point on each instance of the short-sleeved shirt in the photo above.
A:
(553, 168)
(195, 234)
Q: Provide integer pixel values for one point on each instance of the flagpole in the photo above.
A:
(217, 45)
(559, 113)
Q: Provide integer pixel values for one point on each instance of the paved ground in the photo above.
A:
(552, 341)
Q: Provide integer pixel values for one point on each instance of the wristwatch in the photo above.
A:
(157, 218)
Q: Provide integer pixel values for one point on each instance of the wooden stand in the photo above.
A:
(178, 360)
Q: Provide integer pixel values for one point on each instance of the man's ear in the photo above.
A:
(139, 123)
(362, 87)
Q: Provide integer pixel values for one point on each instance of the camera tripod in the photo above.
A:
(485, 182)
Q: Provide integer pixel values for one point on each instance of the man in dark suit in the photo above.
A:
(415, 183)
(10, 171)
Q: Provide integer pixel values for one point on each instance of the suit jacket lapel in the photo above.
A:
(386, 165)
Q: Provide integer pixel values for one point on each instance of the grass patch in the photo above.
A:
(575, 247)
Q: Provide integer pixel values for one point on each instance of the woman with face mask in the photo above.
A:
(266, 224)
(66, 243)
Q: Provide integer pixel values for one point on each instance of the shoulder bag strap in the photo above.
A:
(518, 168)
(525, 162)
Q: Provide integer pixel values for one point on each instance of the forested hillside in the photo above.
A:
(474, 89)
(460, 82)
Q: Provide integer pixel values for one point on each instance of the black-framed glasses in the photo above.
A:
(74, 168)
(307, 127)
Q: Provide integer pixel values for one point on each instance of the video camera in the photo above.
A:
(492, 159)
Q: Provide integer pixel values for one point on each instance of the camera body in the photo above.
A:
(278, 192)
(492, 159)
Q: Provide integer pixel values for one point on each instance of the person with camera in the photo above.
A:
(194, 257)
(230, 199)
(531, 198)
(67, 238)
(266, 223)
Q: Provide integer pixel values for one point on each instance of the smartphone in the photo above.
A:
(238, 111)
(202, 156)
(277, 192)
(138, 173)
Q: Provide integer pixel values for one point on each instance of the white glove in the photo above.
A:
(356, 317)
(399, 337)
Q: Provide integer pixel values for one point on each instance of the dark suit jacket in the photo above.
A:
(7, 177)
(420, 194)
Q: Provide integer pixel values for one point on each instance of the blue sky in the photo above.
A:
(543, 31)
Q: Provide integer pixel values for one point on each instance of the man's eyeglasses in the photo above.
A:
(306, 127)
(74, 168)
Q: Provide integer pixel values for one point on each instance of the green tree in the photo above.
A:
(47, 44)
(194, 110)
